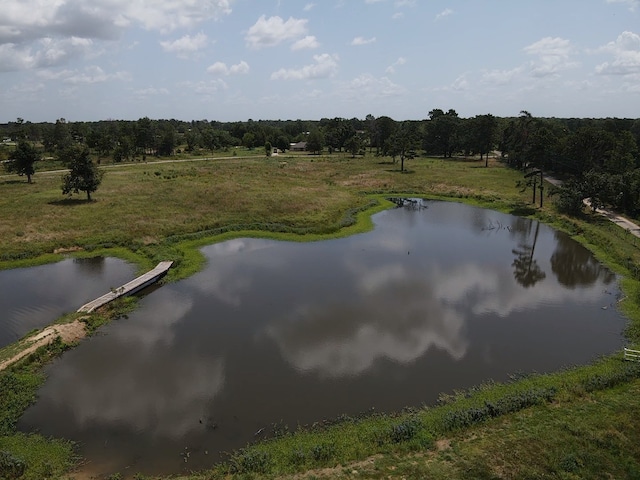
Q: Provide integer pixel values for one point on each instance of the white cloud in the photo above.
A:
(633, 85)
(397, 16)
(391, 69)
(185, 45)
(220, 68)
(272, 31)
(368, 86)
(461, 83)
(553, 56)
(23, 92)
(169, 15)
(633, 4)
(362, 41)
(325, 66)
(307, 43)
(26, 20)
(205, 88)
(309, 6)
(46, 52)
(239, 68)
(89, 75)
(151, 91)
(445, 13)
(39, 33)
(626, 55)
(501, 77)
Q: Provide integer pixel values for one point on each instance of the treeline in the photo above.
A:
(600, 157)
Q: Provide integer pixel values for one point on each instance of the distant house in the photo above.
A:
(298, 147)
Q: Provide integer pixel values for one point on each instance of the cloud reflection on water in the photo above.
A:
(136, 388)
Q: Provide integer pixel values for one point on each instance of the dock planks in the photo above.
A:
(129, 288)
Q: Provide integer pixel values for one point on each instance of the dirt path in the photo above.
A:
(69, 332)
(628, 225)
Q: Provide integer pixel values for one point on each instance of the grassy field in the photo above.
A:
(143, 205)
(580, 423)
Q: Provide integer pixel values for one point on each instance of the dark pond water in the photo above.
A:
(432, 300)
(34, 297)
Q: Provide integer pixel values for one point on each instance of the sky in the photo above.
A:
(234, 60)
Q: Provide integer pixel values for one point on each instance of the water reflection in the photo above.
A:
(393, 314)
(288, 332)
(90, 266)
(574, 265)
(526, 270)
(34, 297)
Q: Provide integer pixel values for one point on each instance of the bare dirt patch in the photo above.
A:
(68, 249)
(338, 471)
(68, 332)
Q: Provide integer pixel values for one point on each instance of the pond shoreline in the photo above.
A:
(363, 223)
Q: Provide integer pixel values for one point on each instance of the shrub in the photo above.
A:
(11, 467)
(250, 461)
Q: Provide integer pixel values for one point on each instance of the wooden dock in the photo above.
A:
(130, 288)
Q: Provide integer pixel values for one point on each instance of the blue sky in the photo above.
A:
(231, 60)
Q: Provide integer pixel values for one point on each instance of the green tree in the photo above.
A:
(22, 160)
(516, 141)
(145, 136)
(268, 149)
(355, 145)
(61, 135)
(84, 175)
(124, 151)
(484, 133)
(315, 142)
(589, 148)
(442, 132)
(384, 128)
(404, 142)
(622, 157)
(194, 140)
(283, 143)
(167, 140)
(248, 140)
(337, 132)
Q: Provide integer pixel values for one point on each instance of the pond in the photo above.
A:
(35, 297)
(439, 296)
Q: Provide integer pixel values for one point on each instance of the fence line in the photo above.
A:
(633, 355)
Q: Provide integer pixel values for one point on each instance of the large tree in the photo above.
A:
(84, 175)
(145, 136)
(442, 132)
(404, 142)
(355, 145)
(315, 142)
(167, 140)
(23, 159)
(484, 133)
